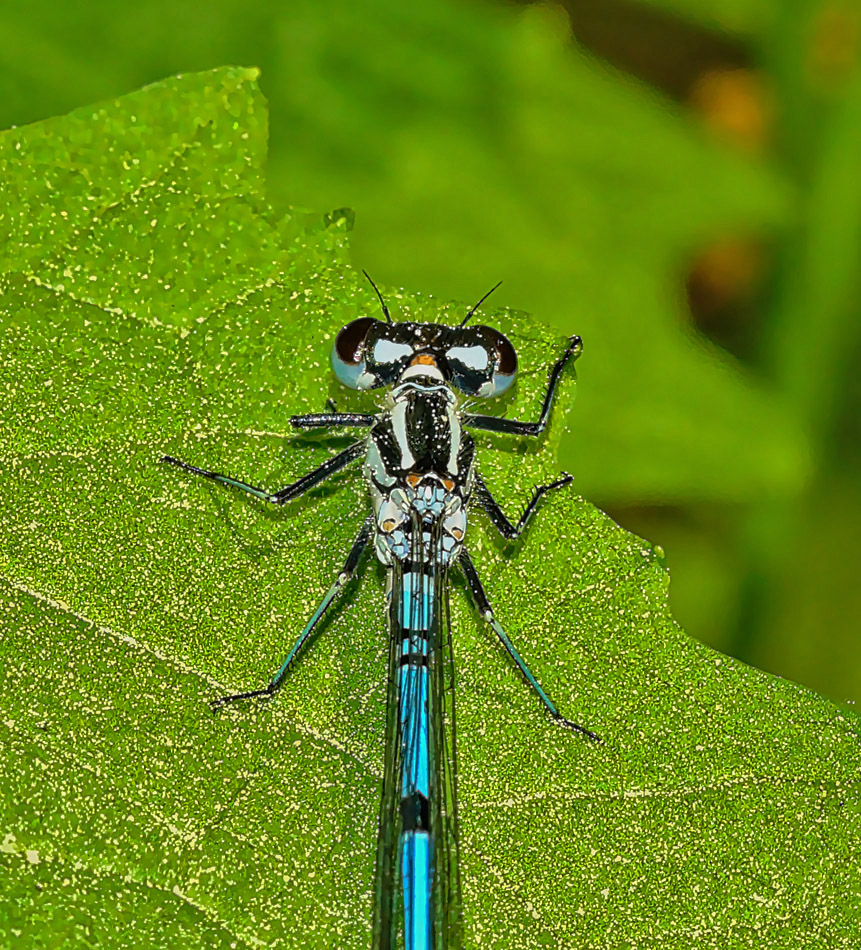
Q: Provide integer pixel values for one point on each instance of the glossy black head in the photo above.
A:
(478, 360)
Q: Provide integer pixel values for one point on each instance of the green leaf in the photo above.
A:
(722, 809)
(477, 142)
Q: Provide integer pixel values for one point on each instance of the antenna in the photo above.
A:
(382, 302)
(480, 302)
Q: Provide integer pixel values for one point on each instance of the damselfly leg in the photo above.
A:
(299, 487)
(341, 582)
(515, 426)
(486, 611)
(329, 420)
(506, 528)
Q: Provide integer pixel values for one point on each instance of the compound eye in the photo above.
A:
(505, 364)
(503, 359)
(485, 364)
(349, 353)
(506, 360)
(350, 342)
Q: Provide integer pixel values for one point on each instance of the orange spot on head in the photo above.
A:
(423, 359)
(449, 484)
(413, 479)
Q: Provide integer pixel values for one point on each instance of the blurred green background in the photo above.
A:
(676, 180)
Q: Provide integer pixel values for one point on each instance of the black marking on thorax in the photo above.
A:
(421, 435)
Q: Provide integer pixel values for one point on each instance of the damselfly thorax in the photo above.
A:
(419, 468)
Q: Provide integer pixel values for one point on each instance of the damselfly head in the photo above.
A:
(479, 360)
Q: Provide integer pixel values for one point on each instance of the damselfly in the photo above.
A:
(419, 464)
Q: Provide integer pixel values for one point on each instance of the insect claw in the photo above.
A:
(251, 694)
(576, 727)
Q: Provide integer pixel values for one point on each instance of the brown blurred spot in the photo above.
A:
(724, 275)
(834, 46)
(666, 51)
(736, 105)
